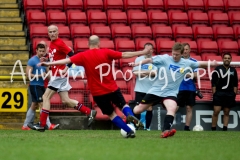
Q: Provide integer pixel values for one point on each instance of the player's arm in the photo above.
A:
(29, 73)
(205, 64)
(70, 54)
(59, 62)
(134, 54)
(214, 80)
(145, 61)
(142, 73)
(235, 81)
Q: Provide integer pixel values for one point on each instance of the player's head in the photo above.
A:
(40, 50)
(186, 52)
(151, 48)
(177, 51)
(227, 58)
(94, 42)
(53, 32)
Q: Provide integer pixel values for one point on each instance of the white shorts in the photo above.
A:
(62, 84)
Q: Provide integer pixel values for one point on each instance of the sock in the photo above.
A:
(186, 128)
(168, 121)
(213, 128)
(80, 107)
(48, 120)
(148, 119)
(43, 117)
(119, 123)
(127, 111)
(225, 128)
(29, 117)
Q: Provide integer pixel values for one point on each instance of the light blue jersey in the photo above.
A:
(76, 70)
(170, 75)
(144, 84)
(35, 69)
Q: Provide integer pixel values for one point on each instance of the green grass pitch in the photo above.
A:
(110, 145)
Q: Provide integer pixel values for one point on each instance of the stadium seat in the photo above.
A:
(153, 5)
(142, 32)
(80, 45)
(214, 5)
(80, 32)
(178, 18)
(73, 4)
(223, 33)
(228, 47)
(77, 18)
(194, 5)
(137, 17)
(174, 4)
(122, 32)
(93, 4)
(158, 19)
(205, 33)
(78, 85)
(103, 32)
(33, 5)
(207, 48)
(113, 5)
(193, 46)
(64, 32)
(97, 17)
(234, 18)
(56, 18)
(232, 5)
(53, 5)
(107, 44)
(237, 33)
(125, 45)
(36, 18)
(162, 32)
(219, 19)
(183, 33)
(198, 19)
(197, 57)
(117, 18)
(165, 47)
(38, 32)
(35, 42)
(205, 85)
(136, 5)
(122, 84)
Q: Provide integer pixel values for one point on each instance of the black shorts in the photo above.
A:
(186, 98)
(105, 102)
(37, 92)
(153, 99)
(224, 99)
(139, 96)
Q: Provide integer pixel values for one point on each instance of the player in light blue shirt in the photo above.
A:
(171, 72)
(145, 77)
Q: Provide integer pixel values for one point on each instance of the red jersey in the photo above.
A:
(93, 58)
(58, 50)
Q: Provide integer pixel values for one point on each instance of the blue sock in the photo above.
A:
(127, 111)
(119, 123)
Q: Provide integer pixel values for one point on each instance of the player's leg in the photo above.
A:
(30, 116)
(138, 98)
(216, 111)
(189, 105)
(148, 118)
(170, 104)
(226, 112)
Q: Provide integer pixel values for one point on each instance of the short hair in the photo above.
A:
(148, 44)
(40, 45)
(186, 44)
(93, 41)
(227, 53)
(178, 46)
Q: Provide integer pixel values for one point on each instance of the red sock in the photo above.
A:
(43, 117)
(80, 107)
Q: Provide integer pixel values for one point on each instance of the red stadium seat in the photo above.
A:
(223, 32)
(30, 5)
(64, 32)
(197, 57)
(207, 47)
(137, 17)
(117, 18)
(80, 32)
(107, 44)
(162, 32)
(165, 47)
(185, 33)
(194, 5)
(140, 44)
(214, 5)
(68, 43)
(130, 4)
(197, 19)
(178, 18)
(232, 5)
(174, 4)
(53, 4)
(203, 33)
(36, 17)
(234, 18)
(122, 84)
(153, 5)
(156, 19)
(123, 32)
(73, 4)
(78, 85)
(237, 33)
(125, 45)
(38, 32)
(97, 17)
(205, 85)
(113, 5)
(219, 19)
(142, 32)
(93, 4)
(80, 45)
(77, 18)
(212, 58)
(228, 47)
(56, 18)
(103, 32)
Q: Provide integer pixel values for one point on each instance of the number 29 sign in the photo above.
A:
(13, 100)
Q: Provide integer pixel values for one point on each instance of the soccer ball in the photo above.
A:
(198, 128)
(124, 134)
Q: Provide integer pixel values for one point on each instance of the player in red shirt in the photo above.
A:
(103, 87)
(58, 83)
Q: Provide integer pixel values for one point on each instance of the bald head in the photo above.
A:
(93, 41)
(52, 27)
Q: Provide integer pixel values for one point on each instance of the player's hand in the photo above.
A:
(147, 50)
(43, 59)
(214, 63)
(132, 64)
(42, 64)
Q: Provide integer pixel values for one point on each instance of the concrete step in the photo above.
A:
(10, 57)
(14, 84)
(11, 27)
(13, 41)
(8, 1)
(6, 70)
(13, 48)
(8, 5)
(9, 13)
(12, 34)
(11, 126)
(10, 20)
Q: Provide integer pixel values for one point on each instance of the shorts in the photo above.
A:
(186, 98)
(153, 99)
(59, 84)
(139, 96)
(224, 99)
(105, 102)
(37, 93)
